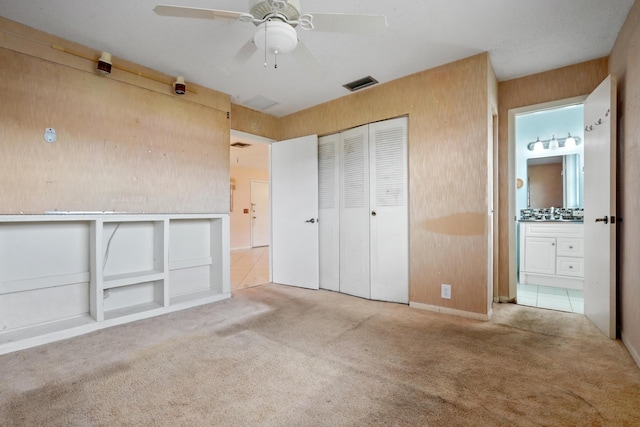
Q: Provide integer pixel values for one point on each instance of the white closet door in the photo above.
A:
(329, 211)
(354, 212)
(389, 211)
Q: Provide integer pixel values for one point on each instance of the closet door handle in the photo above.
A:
(373, 213)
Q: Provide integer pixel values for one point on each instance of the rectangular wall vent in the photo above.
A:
(240, 145)
(360, 83)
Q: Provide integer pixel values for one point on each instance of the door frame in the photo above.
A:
(512, 229)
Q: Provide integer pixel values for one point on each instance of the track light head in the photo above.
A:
(179, 86)
(104, 63)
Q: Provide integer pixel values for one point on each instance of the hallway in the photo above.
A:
(249, 267)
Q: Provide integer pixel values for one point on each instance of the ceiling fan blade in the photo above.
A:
(307, 59)
(240, 58)
(196, 12)
(367, 25)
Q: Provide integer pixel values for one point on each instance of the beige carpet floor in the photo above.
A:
(280, 356)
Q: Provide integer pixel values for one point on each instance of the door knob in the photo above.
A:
(604, 219)
(312, 220)
(373, 213)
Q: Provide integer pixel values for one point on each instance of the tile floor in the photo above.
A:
(560, 299)
(249, 267)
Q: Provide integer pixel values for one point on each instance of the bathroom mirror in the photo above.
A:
(555, 181)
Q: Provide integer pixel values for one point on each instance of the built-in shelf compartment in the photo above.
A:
(126, 279)
(65, 275)
(131, 310)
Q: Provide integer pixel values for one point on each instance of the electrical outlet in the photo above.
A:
(445, 291)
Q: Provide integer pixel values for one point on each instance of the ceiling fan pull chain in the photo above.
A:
(265, 42)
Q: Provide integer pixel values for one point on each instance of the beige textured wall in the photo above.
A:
(562, 83)
(254, 122)
(126, 142)
(624, 63)
(240, 222)
(448, 109)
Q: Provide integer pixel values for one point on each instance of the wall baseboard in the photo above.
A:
(451, 311)
(632, 351)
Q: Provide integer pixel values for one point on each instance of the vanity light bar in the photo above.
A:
(547, 142)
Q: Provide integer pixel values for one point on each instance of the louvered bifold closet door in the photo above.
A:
(389, 211)
(329, 211)
(354, 212)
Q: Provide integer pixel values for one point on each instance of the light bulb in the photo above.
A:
(570, 142)
(553, 144)
(538, 146)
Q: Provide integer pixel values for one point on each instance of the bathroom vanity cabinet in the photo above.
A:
(552, 253)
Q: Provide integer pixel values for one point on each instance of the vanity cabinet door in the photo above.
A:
(540, 255)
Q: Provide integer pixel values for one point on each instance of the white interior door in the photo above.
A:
(389, 216)
(354, 212)
(259, 213)
(329, 211)
(294, 212)
(600, 207)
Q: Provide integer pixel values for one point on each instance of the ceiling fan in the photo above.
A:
(276, 21)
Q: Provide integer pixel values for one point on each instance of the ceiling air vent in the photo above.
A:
(360, 83)
(240, 145)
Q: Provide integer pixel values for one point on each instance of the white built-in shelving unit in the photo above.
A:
(63, 275)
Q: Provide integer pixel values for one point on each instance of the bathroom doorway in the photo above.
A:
(548, 204)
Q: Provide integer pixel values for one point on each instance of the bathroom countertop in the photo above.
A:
(577, 221)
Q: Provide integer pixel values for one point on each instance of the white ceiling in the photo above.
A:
(522, 37)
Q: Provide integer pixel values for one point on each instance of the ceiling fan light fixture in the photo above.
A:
(276, 37)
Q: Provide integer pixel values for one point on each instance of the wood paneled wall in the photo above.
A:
(448, 109)
(126, 142)
(624, 63)
(562, 83)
